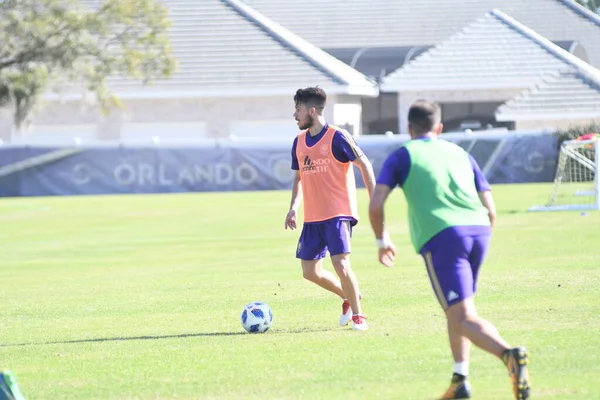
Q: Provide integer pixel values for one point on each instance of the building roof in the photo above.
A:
(225, 48)
(377, 62)
(569, 95)
(392, 23)
(493, 52)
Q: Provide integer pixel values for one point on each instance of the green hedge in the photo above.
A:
(573, 132)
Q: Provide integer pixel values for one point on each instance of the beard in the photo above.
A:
(307, 124)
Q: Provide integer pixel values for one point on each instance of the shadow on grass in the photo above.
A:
(183, 335)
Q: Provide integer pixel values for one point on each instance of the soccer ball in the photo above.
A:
(257, 317)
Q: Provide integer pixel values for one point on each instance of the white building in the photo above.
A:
(488, 62)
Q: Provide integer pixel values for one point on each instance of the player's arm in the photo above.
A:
(387, 250)
(296, 192)
(376, 209)
(290, 218)
(366, 170)
(345, 150)
(488, 202)
(484, 190)
(393, 173)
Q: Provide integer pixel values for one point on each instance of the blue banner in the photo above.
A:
(44, 171)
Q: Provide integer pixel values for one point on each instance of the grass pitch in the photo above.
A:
(139, 297)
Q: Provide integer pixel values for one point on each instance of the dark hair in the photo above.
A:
(424, 116)
(311, 97)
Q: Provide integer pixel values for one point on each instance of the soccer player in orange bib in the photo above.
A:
(322, 156)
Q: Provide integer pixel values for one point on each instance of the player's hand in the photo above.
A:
(387, 255)
(290, 219)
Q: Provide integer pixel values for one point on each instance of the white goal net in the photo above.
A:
(576, 182)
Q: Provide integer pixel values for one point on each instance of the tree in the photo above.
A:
(593, 5)
(44, 40)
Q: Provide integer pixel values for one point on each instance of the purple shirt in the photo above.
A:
(343, 147)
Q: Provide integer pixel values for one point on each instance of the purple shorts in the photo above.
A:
(317, 238)
(453, 258)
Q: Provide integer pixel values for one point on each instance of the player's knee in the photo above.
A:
(461, 311)
(310, 275)
(341, 266)
(310, 271)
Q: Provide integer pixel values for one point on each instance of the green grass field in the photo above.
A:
(139, 297)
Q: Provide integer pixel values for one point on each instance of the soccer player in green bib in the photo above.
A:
(451, 213)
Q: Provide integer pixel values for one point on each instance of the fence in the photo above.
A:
(225, 165)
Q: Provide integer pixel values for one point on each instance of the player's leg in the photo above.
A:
(341, 265)
(464, 321)
(466, 327)
(313, 271)
(351, 307)
(453, 268)
(459, 261)
(450, 276)
(311, 250)
(516, 359)
(338, 235)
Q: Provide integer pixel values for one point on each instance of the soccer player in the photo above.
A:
(323, 156)
(451, 213)
(8, 387)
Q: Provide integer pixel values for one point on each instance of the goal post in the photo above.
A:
(576, 183)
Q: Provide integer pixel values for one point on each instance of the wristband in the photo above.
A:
(384, 241)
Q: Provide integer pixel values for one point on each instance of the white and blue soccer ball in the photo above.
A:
(257, 317)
